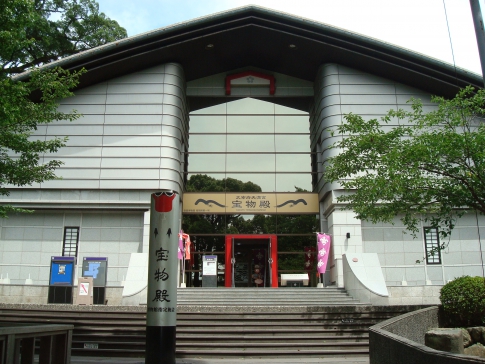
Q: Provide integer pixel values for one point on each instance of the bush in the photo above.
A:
(463, 301)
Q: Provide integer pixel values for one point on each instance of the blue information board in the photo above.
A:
(96, 267)
(62, 271)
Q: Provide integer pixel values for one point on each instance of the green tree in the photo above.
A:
(204, 183)
(33, 33)
(37, 32)
(428, 168)
(217, 224)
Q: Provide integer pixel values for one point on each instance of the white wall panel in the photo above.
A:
(122, 162)
(131, 141)
(72, 130)
(366, 109)
(83, 109)
(126, 173)
(386, 89)
(173, 99)
(134, 109)
(134, 88)
(171, 113)
(73, 183)
(149, 152)
(134, 120)
(170, 152)
(404, 98)
(78, 173)
(362, 79)
(86, 162)
(85, 99)
(135, 99)
(139, 77)
(31, 250)
(128, 184)
(171, 79)
(84, 141)
(132, 129)
(83, 120)
(171, 131)
(170, 147)
(77, 151)
(376, 99)
(99, 88)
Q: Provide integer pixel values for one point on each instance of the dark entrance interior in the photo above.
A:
(251, 261)
(251, 266)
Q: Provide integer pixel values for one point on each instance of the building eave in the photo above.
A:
(260, 37)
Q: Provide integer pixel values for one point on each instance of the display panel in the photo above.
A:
(62, 271)
(97, 268)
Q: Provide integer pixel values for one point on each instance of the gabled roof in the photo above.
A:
(263, 38)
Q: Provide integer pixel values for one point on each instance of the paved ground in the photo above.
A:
(248, 360)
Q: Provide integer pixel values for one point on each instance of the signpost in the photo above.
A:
(84, 291)
(209, 271)
(97, 269)
(61, 279)
(162, 278)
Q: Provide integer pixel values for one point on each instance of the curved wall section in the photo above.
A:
(340, 90)
(400, 340)
(131, 136)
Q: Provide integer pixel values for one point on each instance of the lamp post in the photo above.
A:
(479, 32)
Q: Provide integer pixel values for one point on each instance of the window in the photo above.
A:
(252, 140)
(432, 245)
(71, 240)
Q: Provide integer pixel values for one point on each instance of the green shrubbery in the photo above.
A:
(463, 301)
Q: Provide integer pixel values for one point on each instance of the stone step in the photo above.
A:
(217, 331)
(301, 290)
(304, 296)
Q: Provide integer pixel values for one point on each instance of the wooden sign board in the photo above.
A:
(250, 203)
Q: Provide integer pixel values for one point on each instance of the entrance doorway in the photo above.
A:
(251, 261)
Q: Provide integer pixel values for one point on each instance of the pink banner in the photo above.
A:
(184, 246)
(309, 257)
(323, 248)
(180, 250)
(187, 247)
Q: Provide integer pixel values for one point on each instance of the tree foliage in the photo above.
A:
(32, 33)
(212, 223)
(204, 183)
(428, 167)
(36, 32)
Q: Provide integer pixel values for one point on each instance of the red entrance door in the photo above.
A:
(232, 243)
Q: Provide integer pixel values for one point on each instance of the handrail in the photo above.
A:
(17, 343)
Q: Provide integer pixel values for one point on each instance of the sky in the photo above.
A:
(418, 25)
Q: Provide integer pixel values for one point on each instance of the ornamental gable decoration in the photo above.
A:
(250, 79)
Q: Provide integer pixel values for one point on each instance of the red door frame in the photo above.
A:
(273, 253)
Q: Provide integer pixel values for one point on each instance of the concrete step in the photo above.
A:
(303, 296)
(216, 331)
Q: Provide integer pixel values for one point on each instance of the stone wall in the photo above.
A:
(19, 293)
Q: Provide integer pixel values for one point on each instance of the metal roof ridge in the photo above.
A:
(153, 34)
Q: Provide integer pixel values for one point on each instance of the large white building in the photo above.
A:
(249, 94)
